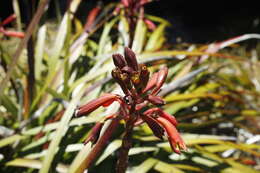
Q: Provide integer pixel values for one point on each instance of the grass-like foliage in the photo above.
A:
(52, 71)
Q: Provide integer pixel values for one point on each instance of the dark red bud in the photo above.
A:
(156, 100)
(144, 75)
(119, 60)
(126, 80)
(136, 80)
(131, 58)
(158, 131)
(120, 79)
(127, 70)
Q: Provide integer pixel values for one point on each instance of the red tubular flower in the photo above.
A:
(105, 100)
(162, 74)
(174, 137)
(160, 112)
(151, 83)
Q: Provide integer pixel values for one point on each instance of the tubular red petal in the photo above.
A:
(104, 100)
(151, 83)
(163, 114)
(162, 74)
(174, 137)
(169, 117)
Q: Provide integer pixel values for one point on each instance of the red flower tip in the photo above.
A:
(160, 112)
(174, 137)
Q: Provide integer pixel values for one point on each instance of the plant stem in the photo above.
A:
(126, 145)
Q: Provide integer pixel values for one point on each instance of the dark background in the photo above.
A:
(192, 21)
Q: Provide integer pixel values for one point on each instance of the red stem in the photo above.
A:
(126, 145)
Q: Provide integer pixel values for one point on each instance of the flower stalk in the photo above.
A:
(140, 93)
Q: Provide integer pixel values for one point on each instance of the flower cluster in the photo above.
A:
(140, 93)
(134, 8)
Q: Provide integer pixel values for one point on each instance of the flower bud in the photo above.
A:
(120, 79)
(127, 70)
(126, 80)
(131, 58)
(94, 104)
(162, 74)
(156, 100)
(119, 60)
(151, 83)
(144, 75)
(158, 131)
(135, 78)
